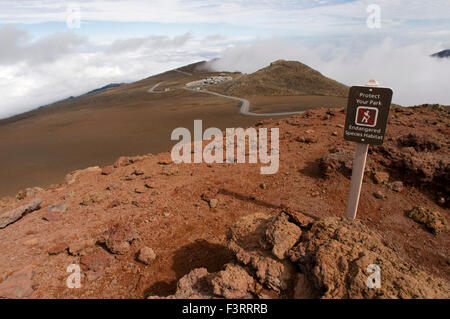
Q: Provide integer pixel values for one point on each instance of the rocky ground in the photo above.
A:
(147, 227)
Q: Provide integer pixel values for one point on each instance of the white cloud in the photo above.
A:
(150, 43)
(17, 47)
(39, 71)
(415, 77)
(299, 16)
(35, 73)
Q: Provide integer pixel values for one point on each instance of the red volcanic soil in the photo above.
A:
(103, 218)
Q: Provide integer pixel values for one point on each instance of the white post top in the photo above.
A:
(372, 83)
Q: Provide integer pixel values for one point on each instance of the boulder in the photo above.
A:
(194, 285)
(336, 255)
(381, 177)
(339, 161)
(282, 235)
(234, 283)
(146, 255)
(17, 213)
(397, 186)
(433, 220)
(247, 240)
(213, 202)
(119, 237)
(108, 170)
(74, 176)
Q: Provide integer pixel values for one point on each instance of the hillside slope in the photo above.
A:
(283, 78)
(137, 227)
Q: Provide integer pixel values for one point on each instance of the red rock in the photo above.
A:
(340, 161)
(146, 255)
(150, 185)
(19, 284)
(213, 202)
(76, 247)
(297, 217)
(119, 237)
(95, 264)
(282, 235)
(96, 261)
(381, 177)
(139, 190)
(60, 248)
(138, 172)
(233, 283)
(123, 161)
(397, 186)
(17, 213)
(107, 170)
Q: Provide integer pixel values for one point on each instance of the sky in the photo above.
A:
(50, 50)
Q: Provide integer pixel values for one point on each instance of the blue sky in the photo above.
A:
(45, 58)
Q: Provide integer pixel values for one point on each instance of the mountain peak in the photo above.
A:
(283, 77)
(442, 54)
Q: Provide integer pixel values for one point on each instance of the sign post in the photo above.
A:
(367, 113)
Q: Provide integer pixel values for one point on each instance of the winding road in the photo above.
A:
(245, 106)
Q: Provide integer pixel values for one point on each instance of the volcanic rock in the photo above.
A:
(19, 284)
(246, 239)
(282, 235)
(433, 220)
(17, 213)
(95, 264)
(335, 255)
(234, 283)
(146, 255)
(119, 237)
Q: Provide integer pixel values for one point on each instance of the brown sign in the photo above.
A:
(367, 114)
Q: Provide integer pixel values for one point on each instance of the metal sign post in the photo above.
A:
(367, 113)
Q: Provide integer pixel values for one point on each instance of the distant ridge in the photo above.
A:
(104, 88)
(32, 112)
(283, 78)
(442, 54)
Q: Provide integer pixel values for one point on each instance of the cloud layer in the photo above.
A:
(415, 77)
(311, 15)
(42, 61)
(35, 73)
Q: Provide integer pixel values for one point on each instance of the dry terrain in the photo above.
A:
(147, 227)
(41, 146)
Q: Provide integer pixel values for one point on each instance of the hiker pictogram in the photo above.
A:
(366, 116)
